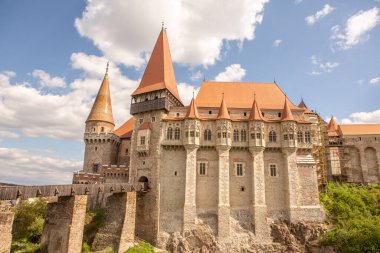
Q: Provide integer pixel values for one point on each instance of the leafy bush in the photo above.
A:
(93, 221)
(29, 220)
(142, 247)
(23, 246)
(355, 213)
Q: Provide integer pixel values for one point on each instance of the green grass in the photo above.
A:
(354, 212)
(142, 247)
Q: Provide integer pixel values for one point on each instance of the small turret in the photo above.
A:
(223, 125)
(256, 126)
(288, 126)
(192, 126)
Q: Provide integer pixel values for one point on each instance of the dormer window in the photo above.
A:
(177, 114)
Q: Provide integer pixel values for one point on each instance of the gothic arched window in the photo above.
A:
(300, 136)
(236, 135)
(272, 136)
(207, 135)
(243, 135)
(177, 133)
(307, 137)
(169, 133)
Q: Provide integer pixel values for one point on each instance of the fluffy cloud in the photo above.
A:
(196, 76)
(232, 73)
(320, 67)
(375, 81)
(7, 134)
(363, 118)
(277, 43)
(357, 28)
(45, 80)
(24, 167)
(327, 9)
(186, 92)
(125, 30)
(62, 115)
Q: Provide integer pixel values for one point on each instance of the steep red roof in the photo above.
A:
(102, 107)
(192, 111)
(239, 95)
(159, 73)
(125, 130)
(359, 129)
(332, 127)
(287, 114)
(223, 111)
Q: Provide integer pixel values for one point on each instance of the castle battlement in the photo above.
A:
(81, 177)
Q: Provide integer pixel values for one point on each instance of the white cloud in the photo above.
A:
(375, 81)
(125, 30)
(277, 43)
(363, 118)
(357, 28)
(327, 9)
(24, 167)
(45, 80)
(62, 115)
(186, 92)
(298, 1)
(196, 76)
(232, 73)
(320, 67)
(6, 134)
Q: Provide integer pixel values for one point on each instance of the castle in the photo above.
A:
(241, 154)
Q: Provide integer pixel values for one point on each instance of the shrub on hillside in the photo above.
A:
(142, 247)
(355, 213)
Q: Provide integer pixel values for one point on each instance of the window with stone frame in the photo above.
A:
(142, 140)
(291, 136)
(169, 133)
(272, 136)
(243, 134)
(207, 135)
(273, 170)
(307, 137)
(224, 134)
(177, 133)
(239, 169)
(236, 135)
(285, 137)
(258, 136)
(253, 136)
(141, 120)
(299, 136)
(95, 168)
(202, 168)
(192, 133)
(219, 135)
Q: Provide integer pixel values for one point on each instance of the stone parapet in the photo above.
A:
(81, 177)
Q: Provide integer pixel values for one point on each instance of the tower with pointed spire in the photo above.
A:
(101, 144)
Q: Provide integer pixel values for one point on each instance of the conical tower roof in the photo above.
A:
(159, 73)
(332, 126)
(255, 111)
(287, 114)
(192, 111)
(102, 107)
(223, 111)
(303, 105)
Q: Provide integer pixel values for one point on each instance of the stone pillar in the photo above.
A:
(259, 207)
(189, 210)
(224, 192)
(6, 222)
(64, 223)
(119, 228)
(363, 165)
(292, 182)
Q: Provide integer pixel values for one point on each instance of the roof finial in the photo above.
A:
(204, 77)
(254, 96)
(108, 64)
(274, 79)
(222, 95)
(162, 25)
(193, 92)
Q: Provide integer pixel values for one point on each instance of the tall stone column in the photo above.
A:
(6, 222)
(224, 192)
(292, 182)
(363, 164)
(189, 210)
(119, 228)
(259, 207)
(64, 223)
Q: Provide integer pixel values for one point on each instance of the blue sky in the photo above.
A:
(53, 57)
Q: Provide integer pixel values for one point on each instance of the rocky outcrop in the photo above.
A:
(294, 238)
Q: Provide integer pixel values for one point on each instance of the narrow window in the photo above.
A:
(142, 140)
(153, 119)
(192, 134)
(102, 129)
(236, 135)
(175, 173)
(262, 114)
(177, 133)
(279, 114)
(299, 137)
(141, 120)
(126, 151)
(224, 134)
(207, 135)
(272, 136)
(242, 188)
(243, 135)
(169, 133)
(239, 169)
(95, 168)
(291, 136)
(177, 114)
(285, 137)
(202, 169)
(209, 112)
(96, 148)
(258, 136)
(187, 133)
(245, 114)
(307, 137)
(252, 136)
(219, 135)
(273, 170)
